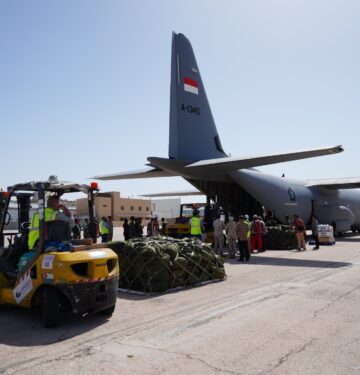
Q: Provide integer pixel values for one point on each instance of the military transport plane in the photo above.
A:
(196, 154)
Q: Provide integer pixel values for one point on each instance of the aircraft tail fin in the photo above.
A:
(193, 135)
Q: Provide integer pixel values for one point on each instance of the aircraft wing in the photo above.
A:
(142, 173)
(234, 163)
(336, 183)
(173, 194)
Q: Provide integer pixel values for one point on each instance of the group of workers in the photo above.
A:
(103, 229)
(154, 229)
(245, 235)
(248, 236)
(134, 228)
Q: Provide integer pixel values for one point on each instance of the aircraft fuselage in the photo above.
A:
(286, 197)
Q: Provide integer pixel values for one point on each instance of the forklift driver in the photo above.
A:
(53, 211)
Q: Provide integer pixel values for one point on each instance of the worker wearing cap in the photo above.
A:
(300, 231)
(155, 227)
(248, 222)
(195, 224)
(219, 227)
(256, 235)
(53, 211)
(231, 236)
(242, 230)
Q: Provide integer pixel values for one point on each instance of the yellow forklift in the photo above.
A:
(181, 228)
(57, 275)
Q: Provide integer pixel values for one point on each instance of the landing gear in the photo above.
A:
(355, 228)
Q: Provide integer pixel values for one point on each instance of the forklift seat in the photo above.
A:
(57, 230)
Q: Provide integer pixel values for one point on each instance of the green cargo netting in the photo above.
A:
(156, 264)
(278, 239)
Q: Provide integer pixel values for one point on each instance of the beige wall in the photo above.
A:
(133, 207)
(82, 207)
(115, 197)
(111, 204)
(103, 206)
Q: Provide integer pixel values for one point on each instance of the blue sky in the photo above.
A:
(85, 84)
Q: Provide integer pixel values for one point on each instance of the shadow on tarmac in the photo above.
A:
(156, 296)
(287, 262)
(134, 296)
(348, 239)
(23, 327)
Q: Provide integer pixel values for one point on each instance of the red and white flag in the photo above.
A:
(190, 85)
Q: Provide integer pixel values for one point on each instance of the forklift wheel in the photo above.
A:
(108, 311)
(51, 308)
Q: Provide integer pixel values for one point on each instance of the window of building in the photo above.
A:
(147, 208)
(131, 208)
(122, 208)
(140, 208)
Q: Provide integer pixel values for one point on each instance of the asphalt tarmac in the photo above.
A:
(284, 312)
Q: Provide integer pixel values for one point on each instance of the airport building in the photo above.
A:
(166, 208)
(112, 204)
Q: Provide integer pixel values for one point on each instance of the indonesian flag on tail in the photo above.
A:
(190, 85)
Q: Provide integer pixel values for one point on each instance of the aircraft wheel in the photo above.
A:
(51, 308)
(109, 311)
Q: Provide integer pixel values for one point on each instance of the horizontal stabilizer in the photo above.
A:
(336, 183)
(173, 194)
(142, 173)
(234, 163)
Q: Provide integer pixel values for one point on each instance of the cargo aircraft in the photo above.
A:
(196, 154)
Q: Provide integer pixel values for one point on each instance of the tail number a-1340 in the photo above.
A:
(190, 109)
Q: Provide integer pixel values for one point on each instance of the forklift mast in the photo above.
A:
(23, 201)
(3, 210)
(41, 188)
(94, 189)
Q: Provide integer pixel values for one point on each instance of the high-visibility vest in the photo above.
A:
(50, 215)
(249, 225)
(103, 228)
(195, 225)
